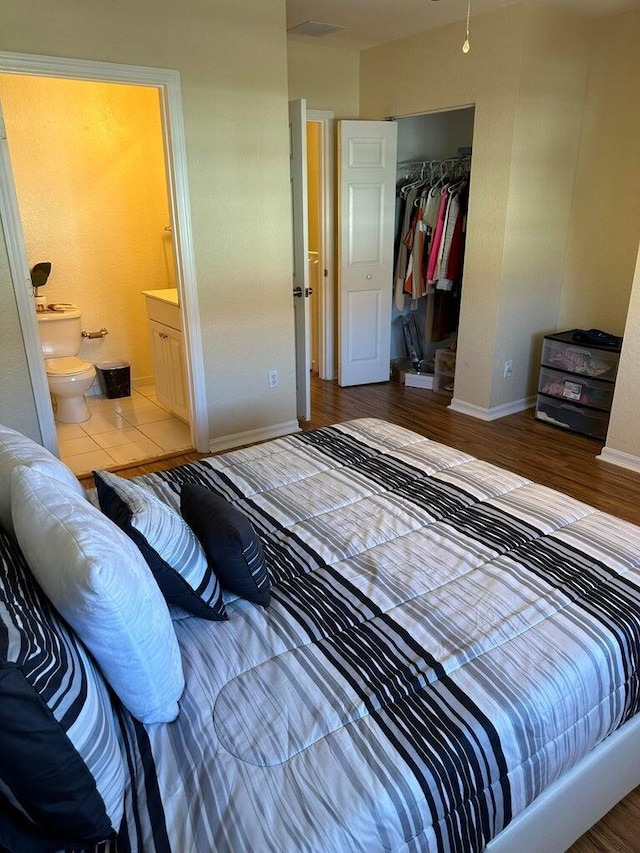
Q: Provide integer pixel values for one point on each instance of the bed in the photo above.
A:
(444, 658)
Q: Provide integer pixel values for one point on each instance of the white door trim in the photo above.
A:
(300, 253)
(326, 300)
(168, 82)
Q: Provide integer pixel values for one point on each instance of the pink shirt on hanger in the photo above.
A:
(437, 238)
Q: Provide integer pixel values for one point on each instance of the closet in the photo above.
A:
(432, 191)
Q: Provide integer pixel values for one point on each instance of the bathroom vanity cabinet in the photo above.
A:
(167, 347)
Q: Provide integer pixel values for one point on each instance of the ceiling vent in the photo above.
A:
(315, 29)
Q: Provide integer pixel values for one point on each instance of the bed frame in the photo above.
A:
(577, 800)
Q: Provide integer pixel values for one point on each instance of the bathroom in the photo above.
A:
(89, 168)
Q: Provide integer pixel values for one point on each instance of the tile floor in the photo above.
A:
(120, 431)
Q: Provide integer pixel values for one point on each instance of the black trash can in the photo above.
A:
(115, 378)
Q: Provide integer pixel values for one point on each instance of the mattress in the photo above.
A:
(444, 640)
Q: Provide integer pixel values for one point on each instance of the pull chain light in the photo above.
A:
(466, 47)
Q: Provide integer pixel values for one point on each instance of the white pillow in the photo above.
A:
(98, 581)
(17, 449)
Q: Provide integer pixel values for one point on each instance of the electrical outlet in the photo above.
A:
(272, 378)
(508, 369)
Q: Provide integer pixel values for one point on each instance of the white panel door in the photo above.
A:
(300, 224)
(366, 186)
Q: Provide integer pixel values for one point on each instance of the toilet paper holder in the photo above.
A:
(92, 335)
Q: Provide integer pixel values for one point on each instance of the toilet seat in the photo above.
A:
(67, 366)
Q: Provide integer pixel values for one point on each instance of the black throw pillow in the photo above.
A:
(230, 542)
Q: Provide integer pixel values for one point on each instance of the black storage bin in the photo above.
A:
(115, 378)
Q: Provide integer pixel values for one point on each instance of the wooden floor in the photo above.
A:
(544, 453)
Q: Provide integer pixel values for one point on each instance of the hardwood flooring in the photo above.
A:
(543, 453)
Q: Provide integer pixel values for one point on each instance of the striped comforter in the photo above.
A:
(445, 639)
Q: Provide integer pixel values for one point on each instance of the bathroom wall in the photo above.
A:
(88, 163)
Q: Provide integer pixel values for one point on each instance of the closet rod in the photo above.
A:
(465, 158)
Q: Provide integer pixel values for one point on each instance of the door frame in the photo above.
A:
(299, 182)
(326, 275)
(167, 82)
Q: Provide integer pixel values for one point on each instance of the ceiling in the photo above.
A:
(371, 22)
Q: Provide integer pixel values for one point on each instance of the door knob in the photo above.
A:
(297, 291)
(308, 291)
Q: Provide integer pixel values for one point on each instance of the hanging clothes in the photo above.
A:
(456, 253)
(429, 245)
(451, 219)
(414, 282)
(434, 254)
(402, 252)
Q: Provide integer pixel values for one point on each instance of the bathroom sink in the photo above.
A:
(169, 294)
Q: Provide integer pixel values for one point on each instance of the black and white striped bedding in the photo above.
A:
(444, 639)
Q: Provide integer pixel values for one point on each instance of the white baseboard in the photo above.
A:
(617, 457)
(142, 381)
(494, 413)
(253, 436)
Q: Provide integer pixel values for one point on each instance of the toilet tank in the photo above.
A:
(60, 331)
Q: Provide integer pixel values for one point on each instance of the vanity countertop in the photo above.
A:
(169, 295)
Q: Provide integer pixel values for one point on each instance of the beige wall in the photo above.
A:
(602, 252)
(327, 77)
(91, 189)
(553, 78)
(525, 68)
(554, 221)
(624, 436)
(231, 55)
(605, 222)
(600, 287)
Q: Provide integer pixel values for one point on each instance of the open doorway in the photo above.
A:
(92, 192)
(434, 139)
(321, 226)
(311, 176)
(90, 278)
(434, 155)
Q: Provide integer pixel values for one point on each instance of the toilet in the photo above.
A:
(69, 377)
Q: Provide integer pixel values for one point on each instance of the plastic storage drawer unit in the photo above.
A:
(576, 388)
(576, 385)
(586, 361)
(587, 421)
